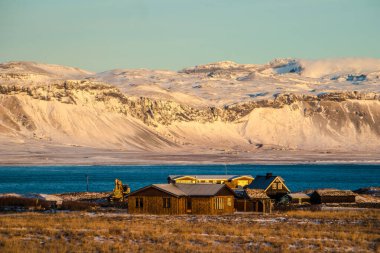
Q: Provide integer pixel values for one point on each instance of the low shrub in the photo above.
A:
(12, 201)
(78, 205)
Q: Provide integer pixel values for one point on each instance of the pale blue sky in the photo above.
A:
(171, 34)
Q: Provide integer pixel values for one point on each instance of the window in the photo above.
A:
(166, 202)
(274, 186)
(229, 202)
(279, 186)
(219, 203)
(139, 202)
(185, 181)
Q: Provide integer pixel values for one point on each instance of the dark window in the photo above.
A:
(188, 203)
(166, 202)
(139, 202)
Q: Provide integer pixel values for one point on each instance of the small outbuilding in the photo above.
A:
(332, 196)
(182, 199)
(296, 198)
(252, 200)
(273, 186)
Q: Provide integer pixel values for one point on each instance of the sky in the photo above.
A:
(99, 35)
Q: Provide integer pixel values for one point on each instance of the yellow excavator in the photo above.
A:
(119, 192)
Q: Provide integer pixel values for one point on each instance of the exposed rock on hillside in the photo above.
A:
(93, 113)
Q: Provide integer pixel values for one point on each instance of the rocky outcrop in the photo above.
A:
(160, 112)
(88, 112)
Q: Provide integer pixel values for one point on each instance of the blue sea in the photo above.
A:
(60, 179)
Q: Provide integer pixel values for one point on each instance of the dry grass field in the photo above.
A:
(293, 231)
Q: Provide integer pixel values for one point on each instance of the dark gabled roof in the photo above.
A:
(215, 177)
(263, 182)
(201, 189)
(168, 188)
(240, 194)
(179, 190)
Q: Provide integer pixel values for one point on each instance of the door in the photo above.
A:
(188, 205)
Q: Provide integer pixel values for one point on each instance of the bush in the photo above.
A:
(78, 205)
(11, 201)
(121, 205)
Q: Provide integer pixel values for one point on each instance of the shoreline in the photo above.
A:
(345, 163)
(98, 157)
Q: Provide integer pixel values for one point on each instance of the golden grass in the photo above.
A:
(293, 231)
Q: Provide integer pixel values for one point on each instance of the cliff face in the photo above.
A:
(100, 115)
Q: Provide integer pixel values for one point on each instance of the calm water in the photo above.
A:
(58, 179)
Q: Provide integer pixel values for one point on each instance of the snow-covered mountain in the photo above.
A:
(37, 72)
(226, 83)
(285, 104)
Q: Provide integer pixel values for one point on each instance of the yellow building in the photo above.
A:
(233, 181)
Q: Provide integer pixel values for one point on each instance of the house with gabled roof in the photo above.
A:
(273, 186)
(332, 196)
(182, 199)
(233, 181)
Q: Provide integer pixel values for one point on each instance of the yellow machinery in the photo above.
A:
(120, 191)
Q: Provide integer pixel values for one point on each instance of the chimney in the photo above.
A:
(269, 175)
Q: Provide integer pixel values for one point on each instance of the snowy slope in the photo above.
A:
(226, 83)
(223, 106)
(38, 72)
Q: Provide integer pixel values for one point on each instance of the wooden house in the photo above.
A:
(252, 200)
(332, 196)
(273, 186)
(296, 198)
(182, 199)
(233, 181)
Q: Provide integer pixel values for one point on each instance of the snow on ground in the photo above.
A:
(326, 68)
(228, 82)
(39, 72)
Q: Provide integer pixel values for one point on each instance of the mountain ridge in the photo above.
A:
(278, 113)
